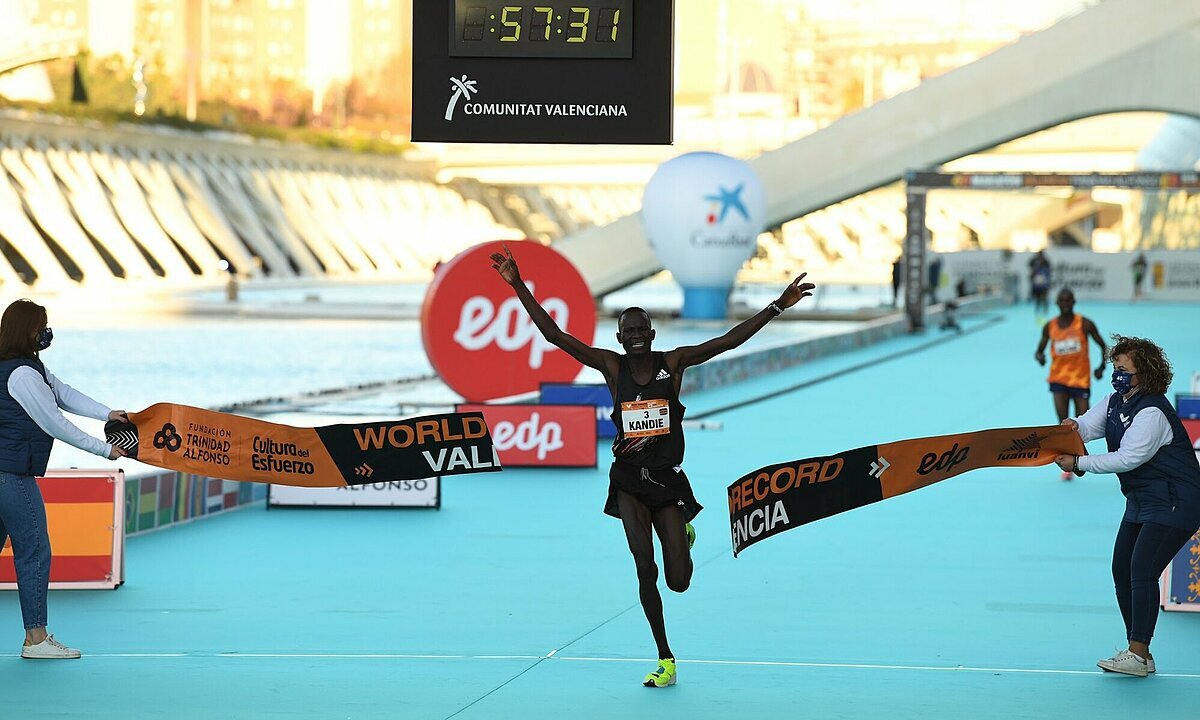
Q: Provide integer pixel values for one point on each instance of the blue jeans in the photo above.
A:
(23, 518)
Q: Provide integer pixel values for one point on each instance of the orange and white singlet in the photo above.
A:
(1070, 364)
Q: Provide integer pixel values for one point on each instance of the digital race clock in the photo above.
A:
(544, 28)
(543, 71)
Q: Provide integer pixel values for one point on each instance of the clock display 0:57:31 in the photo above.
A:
(550, 28)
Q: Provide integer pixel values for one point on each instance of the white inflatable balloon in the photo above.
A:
(702, 213)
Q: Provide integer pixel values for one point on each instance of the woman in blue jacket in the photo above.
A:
(1149, 450)
(30, 420)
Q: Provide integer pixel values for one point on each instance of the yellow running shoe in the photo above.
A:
(691, 535)
(663, 676)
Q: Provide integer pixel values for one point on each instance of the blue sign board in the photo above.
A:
(1188, 406)
(595, 395)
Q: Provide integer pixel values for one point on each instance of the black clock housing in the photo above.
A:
(558, 71)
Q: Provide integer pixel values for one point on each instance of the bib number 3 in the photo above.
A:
(645, 418)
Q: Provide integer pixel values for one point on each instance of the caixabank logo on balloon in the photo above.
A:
(725, 203)
(479, 338)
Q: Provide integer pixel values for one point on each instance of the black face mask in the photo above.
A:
(44, 338)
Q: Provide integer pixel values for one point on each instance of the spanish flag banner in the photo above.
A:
(84, 520)
(233, 447)
(787, 495)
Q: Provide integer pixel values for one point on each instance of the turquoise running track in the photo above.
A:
(985, 596)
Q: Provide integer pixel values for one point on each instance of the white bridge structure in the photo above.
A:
(84, 206)
(1118, 56)
(37, 44)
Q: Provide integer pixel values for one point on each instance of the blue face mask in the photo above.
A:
(44, 338)
(1122, 381)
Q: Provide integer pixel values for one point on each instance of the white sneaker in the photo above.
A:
(1150, 665)
(1125, 663)
(49, 649)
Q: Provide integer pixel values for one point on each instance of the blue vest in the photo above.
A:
(1166, 488)
(24, 447)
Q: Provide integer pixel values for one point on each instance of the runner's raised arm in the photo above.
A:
(685, 357)
(605, 361)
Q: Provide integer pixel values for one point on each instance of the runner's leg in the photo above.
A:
(677, 557)
(638, 520)
(1061, 405)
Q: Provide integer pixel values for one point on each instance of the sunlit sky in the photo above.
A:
(1023, 14)
(112, 21)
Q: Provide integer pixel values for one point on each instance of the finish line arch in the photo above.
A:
(918, 184)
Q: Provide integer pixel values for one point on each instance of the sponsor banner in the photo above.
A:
(1148, 180)
(1188, 406)
(597, 395)
(85, 515)
(158, 500)
(232, 447)
(1170, 274)
(1181, 580)
(916, 238)
(1181, 586)
(787, 495)
(477, 334)
(421, 492)
(541, 435)
(1193, 429)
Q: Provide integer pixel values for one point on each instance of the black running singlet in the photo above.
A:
(649, 418)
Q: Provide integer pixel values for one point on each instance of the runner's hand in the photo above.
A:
(1040, 357)
(506, 266)
(795, 292)
(1099, 373)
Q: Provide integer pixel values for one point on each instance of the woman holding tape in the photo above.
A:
(648, 490)
(30, 420)
(1149, 450)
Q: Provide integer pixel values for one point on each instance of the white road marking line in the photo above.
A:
(552, 655)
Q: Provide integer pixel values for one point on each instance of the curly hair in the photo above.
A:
(1152, 366)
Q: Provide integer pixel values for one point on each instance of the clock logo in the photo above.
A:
(462, 88)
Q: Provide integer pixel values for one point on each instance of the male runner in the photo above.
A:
(647, 490)
(1070, 365)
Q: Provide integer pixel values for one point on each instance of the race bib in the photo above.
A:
(645, 418)
(1066, 346)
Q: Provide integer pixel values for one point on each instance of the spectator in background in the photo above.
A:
(1012, 281)
(897, 279)
(935, 276)
(1139, 275)
(950, 317)
(1039, 282)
